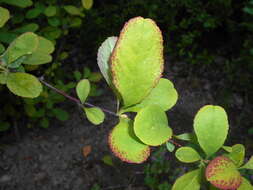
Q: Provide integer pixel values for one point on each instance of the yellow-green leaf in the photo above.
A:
(237, 154)
(189, 181)
(187, 155)
(95, 115)
(24, 85)
(83, 90)
(246, 185)
(248, 165)
(87, 4)
(4, 16)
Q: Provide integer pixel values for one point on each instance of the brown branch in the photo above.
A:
(175, 143)
(73, 99)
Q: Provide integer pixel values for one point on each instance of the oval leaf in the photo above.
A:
(221, 172)
(72, 10)
(187, 155)
(95, 115)
(4, 15)
(103, 57)
(24, 85)
(87, 4)
(189, 181)
(137, 60)
(211, 128)
(25, 44)
(151, 126)
(245, 185)
(83, 90)
(237, 154)
(163, 95)
(125, 145)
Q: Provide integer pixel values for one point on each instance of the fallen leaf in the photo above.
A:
(86, 150)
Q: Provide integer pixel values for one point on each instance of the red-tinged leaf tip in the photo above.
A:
(222, 173)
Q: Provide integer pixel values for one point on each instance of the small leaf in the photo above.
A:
(227, 148)
(87, 4)
(95, 115)
(151, 126)
(125, 145)
(50, 11)
(25, 44)
(24, 85)
(137, 60)
(31, 27)
(19, 3)
(83, 90)
(246, 185)
(211, 128)
(60, 114)
(72, 10)
(170, 147)
(103, 57)
(86, 150)
(187, 155)
(222, 173)
(184, 136)
(107, 159)
(163, 95)
(44, 123)
(2, 48)
(248, 165)
(77, 75)
(237, 154)
(95, 77)
(4, 16)
(189, 181)
(32, 13)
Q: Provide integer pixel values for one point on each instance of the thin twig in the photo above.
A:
(175, 143)
(73, 99)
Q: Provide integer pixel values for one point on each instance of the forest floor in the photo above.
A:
(53, 159)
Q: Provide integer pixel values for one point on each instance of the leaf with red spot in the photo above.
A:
(125, 145)
(137, 60)
(222, 173)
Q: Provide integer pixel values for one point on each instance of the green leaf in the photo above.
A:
(237, 154)
(187, 155)
(4, 126)
(33, 13)
(83, 90)
(41, 54)
(248, 10)
(37, 58)
(18, 3)
(103, 57)
(87, 4)
(107, 159)
(245, 185)
(137, 60)
(222, 173)
(163, 95)
(189, 181)
(54, 21)
(125, 145)
(184, 136)
(72, 10)
(2, 48)
(60, 114)
(3, 78)
(4, 15)
(32, 27)
(24, 85)
(25, 44)
(248, 165)
(7, 37)
(76, 22)
(211, 128)
(51, 32)
(95, 115)
(227, 148)
(151, 126)
(95, 77)
(77, 75)
(50, 11)
(170, 147)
